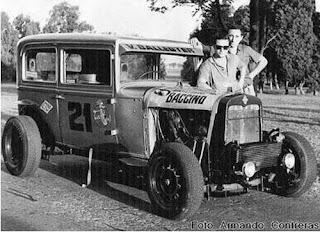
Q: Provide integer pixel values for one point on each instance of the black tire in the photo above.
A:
(175, 182)
(21, 146)
(305, 169)
(46, 134)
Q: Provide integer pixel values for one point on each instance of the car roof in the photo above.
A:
(84, 37)
(143, 44)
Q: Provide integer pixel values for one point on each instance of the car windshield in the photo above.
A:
(157, 67)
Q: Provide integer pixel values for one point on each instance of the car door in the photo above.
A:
(86, 96)
(37, 87)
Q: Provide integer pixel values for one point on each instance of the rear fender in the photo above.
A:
(31, 108)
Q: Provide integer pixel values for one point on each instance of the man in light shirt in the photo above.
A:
(219, 72)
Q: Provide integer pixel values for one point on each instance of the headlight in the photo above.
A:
(289, 160)
(249, 169)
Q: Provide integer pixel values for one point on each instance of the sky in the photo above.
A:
(124, 17)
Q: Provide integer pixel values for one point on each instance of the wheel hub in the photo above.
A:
(170, 181)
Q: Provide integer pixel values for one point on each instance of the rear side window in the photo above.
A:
(40, 65)
(87, 66)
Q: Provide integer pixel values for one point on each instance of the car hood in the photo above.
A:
(175, 96)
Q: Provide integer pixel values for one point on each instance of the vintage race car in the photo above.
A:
(134, 99)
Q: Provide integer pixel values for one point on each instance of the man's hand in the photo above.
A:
(247, 82)
(195, 43)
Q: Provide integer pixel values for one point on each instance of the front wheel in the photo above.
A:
(297, 180)
(175, 181)
(21, 146)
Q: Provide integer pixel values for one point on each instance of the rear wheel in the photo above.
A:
(175, 181)
(21, 146)
(297, 180)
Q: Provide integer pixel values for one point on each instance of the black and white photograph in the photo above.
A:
(160, 115)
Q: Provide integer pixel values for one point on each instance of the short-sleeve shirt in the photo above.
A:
(249, 56)
(218, 77)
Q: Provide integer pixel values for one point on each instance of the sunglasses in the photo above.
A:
(220, 47)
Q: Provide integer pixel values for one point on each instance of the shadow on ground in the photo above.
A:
(130, 180)
(9, 223)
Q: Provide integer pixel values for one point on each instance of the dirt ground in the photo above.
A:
(53, 198)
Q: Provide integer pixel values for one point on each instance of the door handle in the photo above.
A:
(59, 97)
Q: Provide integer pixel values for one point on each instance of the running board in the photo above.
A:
(135, 162)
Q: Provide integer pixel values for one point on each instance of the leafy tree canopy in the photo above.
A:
(316, 23)
(64, 18)
(9, 40)
(163, 5)
(25, 26)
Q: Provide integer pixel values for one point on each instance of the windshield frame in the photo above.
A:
(166, 67)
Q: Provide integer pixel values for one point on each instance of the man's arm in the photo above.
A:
(262, 63)
(203, 77)
(207, 50)
(260, 60)
(202, 83)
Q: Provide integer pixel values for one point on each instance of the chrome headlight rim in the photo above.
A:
(289, 160)
(249, 169)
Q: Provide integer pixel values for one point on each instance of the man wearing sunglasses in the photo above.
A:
(219, 71)
(254, 61)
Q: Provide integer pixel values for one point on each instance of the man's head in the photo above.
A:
(221, 47)
(235, 36)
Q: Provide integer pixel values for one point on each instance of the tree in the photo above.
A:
(64, 18)
(314, 74)
(315, 67)
(211, 10)
(295, 44)
(9, 40)
(316, 23)
(25, 26)
(241, 18)
(212, 27)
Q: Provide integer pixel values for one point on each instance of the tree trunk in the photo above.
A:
(254, 24)
(217, 2)
(276, 81)
(301, 84)
(286, 87)
(262, 12)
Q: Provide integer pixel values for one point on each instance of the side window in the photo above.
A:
(87, 66)
(40, 65)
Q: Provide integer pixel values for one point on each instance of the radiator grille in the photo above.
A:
(263, 154)
(243, 124)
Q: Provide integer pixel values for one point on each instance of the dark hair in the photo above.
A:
(236, 27)
(224, 38)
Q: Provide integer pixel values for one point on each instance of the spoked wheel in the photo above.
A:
(21, 146)
(295, 181)
(175, 181)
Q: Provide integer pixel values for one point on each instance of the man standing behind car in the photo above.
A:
(219, 71)
(254, 61)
